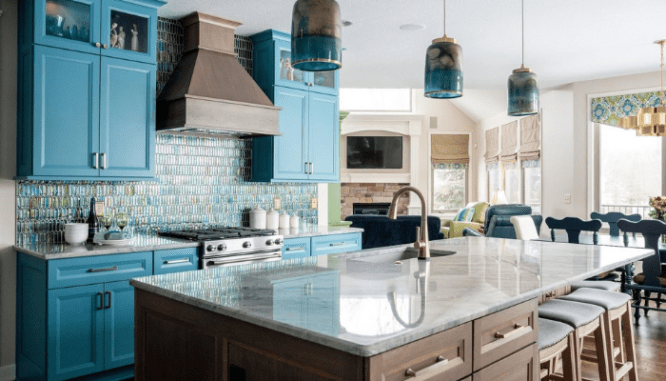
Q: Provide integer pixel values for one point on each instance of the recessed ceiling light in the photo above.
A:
(412, 27)
(346, 23)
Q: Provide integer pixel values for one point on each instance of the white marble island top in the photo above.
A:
(364, 304)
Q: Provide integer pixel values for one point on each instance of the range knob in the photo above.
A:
(210, 248)
(269, 242)
(247, 245)
(221, 247)
(278, 241)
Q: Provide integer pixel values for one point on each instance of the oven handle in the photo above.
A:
(236, 259)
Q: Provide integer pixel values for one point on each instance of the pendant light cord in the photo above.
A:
(444, 13)
(522, 23)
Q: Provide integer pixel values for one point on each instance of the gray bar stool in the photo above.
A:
(586, 320)
(605, 285)
(556, 338)
(618, 331)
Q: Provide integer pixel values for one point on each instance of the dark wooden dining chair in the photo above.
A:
(652, 279)
(573, 227)
(611, 218)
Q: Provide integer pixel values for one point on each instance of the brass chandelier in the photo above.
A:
(650, 121)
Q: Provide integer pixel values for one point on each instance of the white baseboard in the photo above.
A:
(8, 373)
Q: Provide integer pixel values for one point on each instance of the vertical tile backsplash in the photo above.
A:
(200, 181)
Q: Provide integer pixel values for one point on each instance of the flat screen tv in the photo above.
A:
(374, 152)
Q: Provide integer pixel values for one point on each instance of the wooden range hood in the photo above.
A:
(209, 92)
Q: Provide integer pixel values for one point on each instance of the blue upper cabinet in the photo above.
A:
(86, 102)
(308, 150)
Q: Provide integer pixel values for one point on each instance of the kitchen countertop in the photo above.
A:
(64, 250)
(318, 231)
(377, 305)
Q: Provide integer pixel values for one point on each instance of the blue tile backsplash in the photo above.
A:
(200, 181)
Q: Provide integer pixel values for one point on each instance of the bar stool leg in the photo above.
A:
(619, 341)
(610, 346)
(569, 359)
(628, 339)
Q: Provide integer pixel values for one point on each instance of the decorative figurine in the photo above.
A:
(114, 35)
(134, 45)
(121, 38)
(290, 69)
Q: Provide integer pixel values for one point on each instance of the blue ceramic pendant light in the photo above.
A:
(316, 28)
(443, 70)
(522, 85)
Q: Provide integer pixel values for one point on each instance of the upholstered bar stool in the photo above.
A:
(556, 339)
(586, 320)
(618, 331)
(605, 285)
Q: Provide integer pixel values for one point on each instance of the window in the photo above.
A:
(630, 170)
(449, 188)
(532, 185)
(512, 183)
(376, 100)
(493, 179)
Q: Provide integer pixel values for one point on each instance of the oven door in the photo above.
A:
(242, 259)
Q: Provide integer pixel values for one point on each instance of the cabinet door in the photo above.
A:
(68, 24)
(285, 74)
(127, 119)
(324, 137)
(118, 324)
(129, 31)
(291, 148)
(296, 248)
(326, 81)
(75, 331)
(66, 113)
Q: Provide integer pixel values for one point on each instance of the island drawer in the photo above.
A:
(175, 260)
(504, 332)
(445, 356)
(520, 366)
(337, 243)
(99, 269)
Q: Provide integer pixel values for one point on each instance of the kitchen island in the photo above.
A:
(369, 315)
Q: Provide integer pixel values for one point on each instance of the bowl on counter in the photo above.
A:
(76, 234)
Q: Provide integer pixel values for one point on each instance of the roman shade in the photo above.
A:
(509, 152)
(492, 145)
(530, 138)
(449, 149)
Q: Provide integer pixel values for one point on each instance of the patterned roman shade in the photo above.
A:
(492, 145)
(509, 152)
(530, 138)
(449, 149)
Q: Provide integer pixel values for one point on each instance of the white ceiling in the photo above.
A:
(565, 40)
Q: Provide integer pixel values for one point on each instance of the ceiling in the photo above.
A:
(565, 40)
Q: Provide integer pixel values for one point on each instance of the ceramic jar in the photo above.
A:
(284, 221)
(293, 222)
(273, 220)
(257, 218)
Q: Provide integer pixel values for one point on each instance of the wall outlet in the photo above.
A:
(277, 203)
(99, 208)
(567, 198)
(314, 203)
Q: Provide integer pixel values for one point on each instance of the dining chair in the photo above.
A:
(573, 227)
(611, 218)
(524, 227)
(651, 279)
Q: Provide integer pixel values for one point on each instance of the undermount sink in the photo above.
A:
(403, 255)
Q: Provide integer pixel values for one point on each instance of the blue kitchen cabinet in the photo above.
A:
(175, 260)
(321, 245)
(118, 324)
(136, 18)
(296, 248)
(308, 150)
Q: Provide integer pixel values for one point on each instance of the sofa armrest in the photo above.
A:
(467, 232)
(456, 228)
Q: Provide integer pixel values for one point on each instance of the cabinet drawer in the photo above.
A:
(296, 248)
(99, 269)
(334, 244)
(504, 332)
(176, 260)
(446, 356)
(520, 366)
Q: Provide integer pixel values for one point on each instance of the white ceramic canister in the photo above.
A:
(284, 220)
(273, 220)
(257, 218)
(293, 222)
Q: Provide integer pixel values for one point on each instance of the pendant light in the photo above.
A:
(650, 121)
(316, 27)
(522, 85)
(443, 69)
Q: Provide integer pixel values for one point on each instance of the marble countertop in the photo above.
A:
(318, 231)
(64, 250)
(363, 303)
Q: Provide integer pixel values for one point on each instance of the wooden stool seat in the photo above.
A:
(585, 320)
(556, 339)
(596, 284)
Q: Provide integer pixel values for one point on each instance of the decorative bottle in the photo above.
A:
(92, 221)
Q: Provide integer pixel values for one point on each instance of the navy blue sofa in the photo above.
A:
(381, 231)
(498, 221)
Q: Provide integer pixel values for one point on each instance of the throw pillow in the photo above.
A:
(468, 215)
(460, 215)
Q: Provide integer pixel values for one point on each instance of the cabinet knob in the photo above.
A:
(105, 46)
(98, 45)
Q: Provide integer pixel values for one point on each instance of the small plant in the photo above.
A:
(659, 208)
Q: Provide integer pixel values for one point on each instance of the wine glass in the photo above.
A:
(122, 220)
(107, 221)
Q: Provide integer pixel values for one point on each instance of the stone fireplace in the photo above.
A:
(370, 193)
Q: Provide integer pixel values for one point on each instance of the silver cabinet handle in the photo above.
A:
(177, 261)
(95, 160)
(98, 45)
(307, 168)
(337, 244)
(311, 168)
(517, 328)
(440, 362)
(105, 46)
(299, 248)
(114, 268)
(103, 160)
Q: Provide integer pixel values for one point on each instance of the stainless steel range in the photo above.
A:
(233, 246)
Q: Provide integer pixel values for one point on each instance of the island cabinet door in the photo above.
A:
(75, 331)
(119, 324)
(445, 356)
